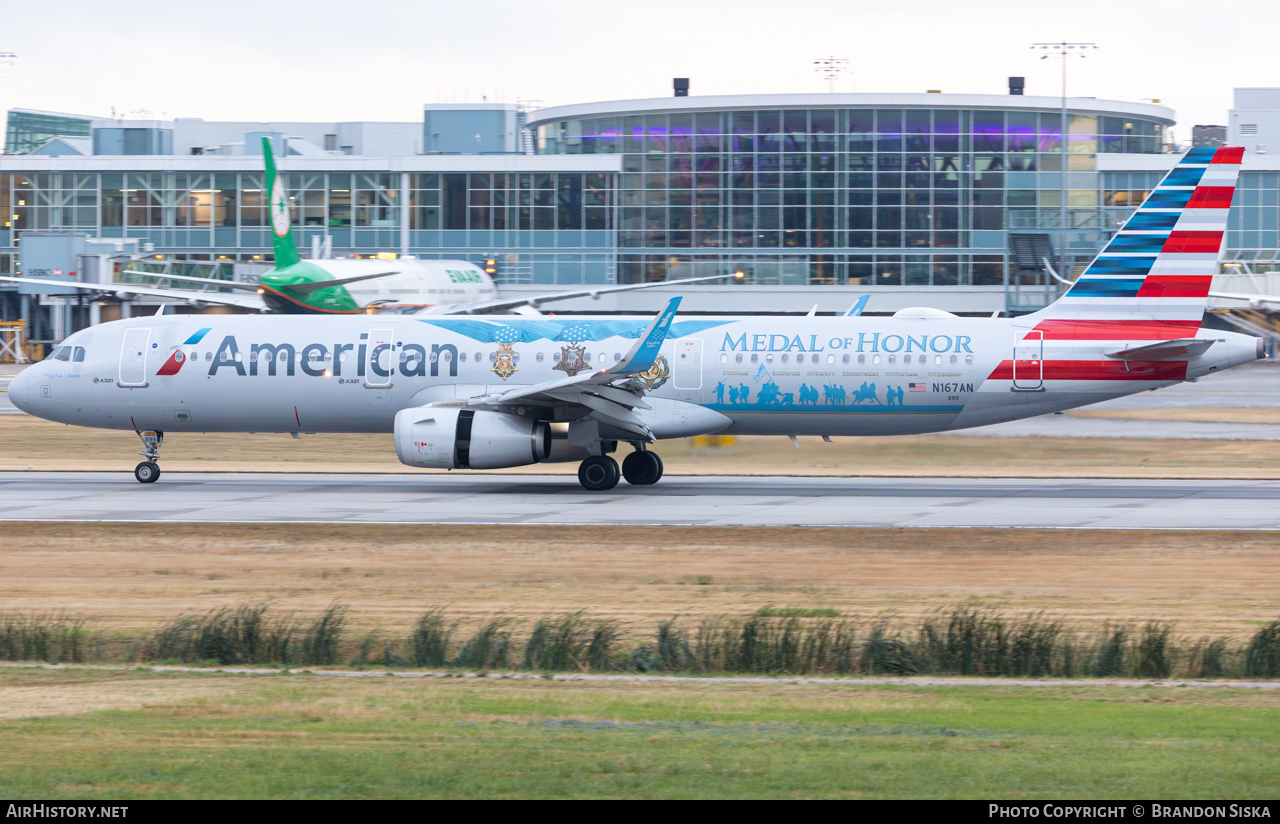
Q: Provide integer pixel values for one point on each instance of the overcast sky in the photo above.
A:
(382, 59)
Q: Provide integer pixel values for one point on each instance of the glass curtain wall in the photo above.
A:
(225, 214)
(925, 192)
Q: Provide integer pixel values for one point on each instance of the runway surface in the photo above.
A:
(676, 501)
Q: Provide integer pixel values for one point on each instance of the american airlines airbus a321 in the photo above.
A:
(502, 391)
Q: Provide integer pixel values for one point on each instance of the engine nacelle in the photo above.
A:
(450, 438)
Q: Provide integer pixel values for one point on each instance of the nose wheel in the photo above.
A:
(642, 468)
(148, 472)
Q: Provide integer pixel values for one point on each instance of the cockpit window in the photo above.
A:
(78, 355)
(63, 354)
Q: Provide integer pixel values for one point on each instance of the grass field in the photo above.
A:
(133, 576)
(146, 735)
(31, 443)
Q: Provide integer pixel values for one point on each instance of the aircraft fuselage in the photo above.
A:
(767, 375)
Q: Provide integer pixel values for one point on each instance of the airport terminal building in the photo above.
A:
(949, 199)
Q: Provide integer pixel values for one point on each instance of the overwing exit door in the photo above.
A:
(379, 358)
(686, 372)
(379, 366)
(1028, 362)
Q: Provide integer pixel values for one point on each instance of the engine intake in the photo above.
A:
(447, 438)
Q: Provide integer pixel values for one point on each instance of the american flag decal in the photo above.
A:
(915, 387)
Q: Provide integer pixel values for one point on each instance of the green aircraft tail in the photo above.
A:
(278, 210)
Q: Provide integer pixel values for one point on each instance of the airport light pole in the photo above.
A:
(831, 68)
(1064, 51)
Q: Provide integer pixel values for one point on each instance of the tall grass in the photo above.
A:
(959, 641)
(54, 637)
(490, 647)
(1262, 656)
(571, 642)
(248, 634)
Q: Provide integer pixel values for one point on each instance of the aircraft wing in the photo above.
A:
(490, 307)
(1253, 300)
(125, 289)
(230, 284)
(1180, 349)
(609, 396)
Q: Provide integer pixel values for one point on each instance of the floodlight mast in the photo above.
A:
(831, 68)
(1063, 50)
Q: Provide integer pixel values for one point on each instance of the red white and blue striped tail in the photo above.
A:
(1156, 272)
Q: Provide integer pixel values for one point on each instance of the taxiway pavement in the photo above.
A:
(676, 501)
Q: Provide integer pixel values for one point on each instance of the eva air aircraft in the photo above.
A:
(347, 287)
(502, 391)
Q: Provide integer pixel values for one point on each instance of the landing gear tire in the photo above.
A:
(642, 468)
(598, 473)
(147, 472)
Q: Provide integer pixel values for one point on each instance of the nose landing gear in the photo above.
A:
(148, 472)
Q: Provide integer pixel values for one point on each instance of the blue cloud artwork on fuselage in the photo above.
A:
(567, 330)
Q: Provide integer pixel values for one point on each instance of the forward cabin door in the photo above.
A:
(1028, 362)
(686, 372)
(133, 357)
(380, 357)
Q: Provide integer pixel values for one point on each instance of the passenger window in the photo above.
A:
(616, 357)
(832, 358)
(861, 358)
(768, 358)
(540, 356)
(845, 359)
(937, 360)
(953, 358)
(78, 357)
(906, 359)
(208, 356)
(64, 354)
(556, 357)
(586, 356)
(968, 359)
(724, 358)
(875, 359)
(784, 358)
(893, 359)
(737, 358)
(602, 358)
(463, 357)
(477, 357)
(434, 357)
(755, 358)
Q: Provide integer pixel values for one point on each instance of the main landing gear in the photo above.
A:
(600, 473)
(148, 472)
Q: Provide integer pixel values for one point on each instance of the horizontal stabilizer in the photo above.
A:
(1180, 349)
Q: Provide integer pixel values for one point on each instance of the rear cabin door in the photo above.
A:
(133, 357)
(1028, 362)
(686, 372)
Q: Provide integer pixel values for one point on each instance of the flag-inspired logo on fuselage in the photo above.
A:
(175, 361)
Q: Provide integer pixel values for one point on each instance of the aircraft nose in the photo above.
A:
(22, 389)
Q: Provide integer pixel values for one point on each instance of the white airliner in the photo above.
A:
(348, 287)
(492, 392)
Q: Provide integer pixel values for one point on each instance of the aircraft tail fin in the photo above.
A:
(1159, 266)
(278, 207)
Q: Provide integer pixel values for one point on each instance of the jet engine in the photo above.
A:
(450, 438)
